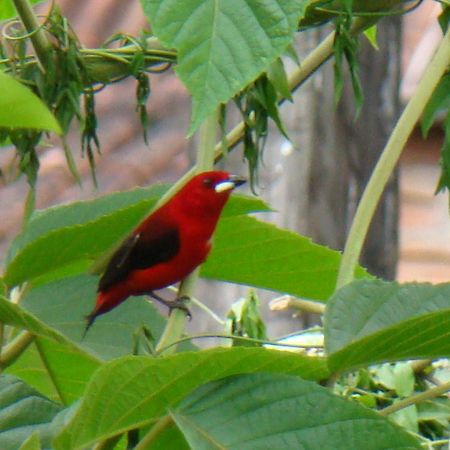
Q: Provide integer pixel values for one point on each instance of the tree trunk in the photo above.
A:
(346, 150)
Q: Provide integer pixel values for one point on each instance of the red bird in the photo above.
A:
(168, 245)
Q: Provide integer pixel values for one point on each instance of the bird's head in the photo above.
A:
(207, 192)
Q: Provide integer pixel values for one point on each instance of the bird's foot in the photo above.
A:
(178, 303)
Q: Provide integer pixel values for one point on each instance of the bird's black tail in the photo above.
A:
(90, 319)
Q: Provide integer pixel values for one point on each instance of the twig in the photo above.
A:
(40, 42)
(15, 348)
(418, 398)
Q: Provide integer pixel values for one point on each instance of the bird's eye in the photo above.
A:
(208, 182)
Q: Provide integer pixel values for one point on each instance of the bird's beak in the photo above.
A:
(228, 185)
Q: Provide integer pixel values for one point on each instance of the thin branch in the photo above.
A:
(288, 302)
(15, 348)
(41, 44)
(238, 338)
(418, 398)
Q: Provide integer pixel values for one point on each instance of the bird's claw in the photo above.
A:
(178, 303)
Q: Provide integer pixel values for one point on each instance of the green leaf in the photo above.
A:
(12, 314)
(368, 322)
(169, 438)
(32, 443)
(398, 377)
(437, 409)
(274, 411)
(278, 77)
(444, 17)
(444, 180)
(58, 371)
(154, 384)
(64, 240)
(23, 411)
(20, 108)
(30, 369)
(439, 101)
(8, 11)
(63, 305)
(371, 35)
(222, 45)
(407, 418)
(69, 216)
(255, 253)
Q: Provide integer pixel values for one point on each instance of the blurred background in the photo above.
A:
(313, 182)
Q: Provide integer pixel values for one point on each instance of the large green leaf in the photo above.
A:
(256, 253)
(439, 101)
(64, 240)
(57, 311)
(154, 384)
(63, 305)
(368, 322)
(32, 443)
(58, 371)
(274, 411)
(23, 411)
(222, 45)
(76, 232)
(12, 314)
(20, 108)
(30, 368)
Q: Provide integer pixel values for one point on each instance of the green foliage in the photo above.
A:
(438, 104)
(257, 104)
(346, 47)
(64, 304)
(374, 321)
(444, 17)
(281, 412)
(212, 63)
(24, 411)
(7, 10)
(86, 230)
(58, 371)
(244, 319)
(272, 258)
(32, 443)
(20, 108)
(225, 49)
(155, 384)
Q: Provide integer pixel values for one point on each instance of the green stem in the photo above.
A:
(388, 160)
(288, 302)
(159, 426)
(205, 161)
(15, 348)
(418, 398)
(38, 37)
(237, 338)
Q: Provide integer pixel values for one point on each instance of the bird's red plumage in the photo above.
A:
(168, 245)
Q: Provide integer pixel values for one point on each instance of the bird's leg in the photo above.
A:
(178, 303)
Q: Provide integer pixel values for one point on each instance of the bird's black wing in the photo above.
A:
(139, 251)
